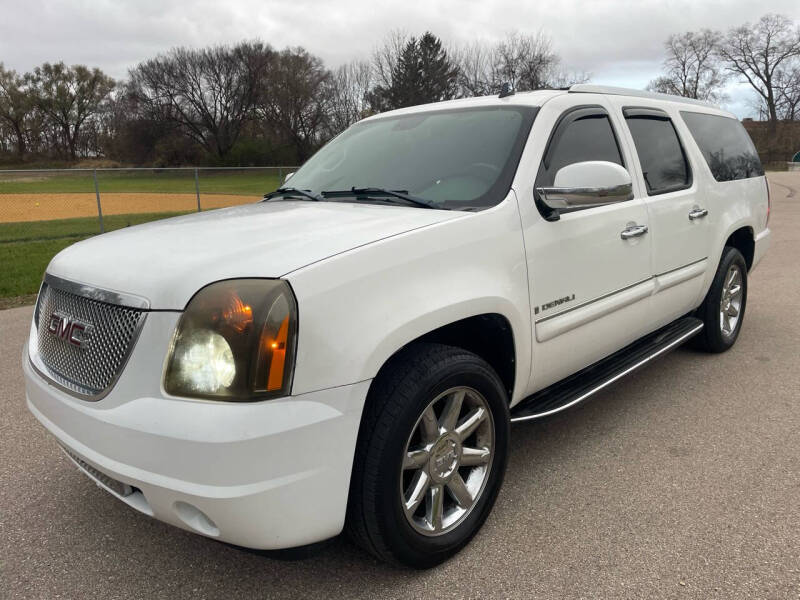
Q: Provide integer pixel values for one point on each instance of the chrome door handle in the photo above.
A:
(697, 213)
(633, 231)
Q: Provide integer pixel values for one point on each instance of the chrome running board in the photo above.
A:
(578, 387)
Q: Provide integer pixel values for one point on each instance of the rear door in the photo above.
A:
(678, 214)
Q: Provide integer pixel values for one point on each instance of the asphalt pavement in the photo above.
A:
(682, 481)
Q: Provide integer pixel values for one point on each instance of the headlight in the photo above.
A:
(235, 342)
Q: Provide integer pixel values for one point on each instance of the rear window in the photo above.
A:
(725, 145)
(664, 165)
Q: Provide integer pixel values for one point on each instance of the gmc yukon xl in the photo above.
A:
(349, 353)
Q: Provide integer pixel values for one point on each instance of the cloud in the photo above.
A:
(617, 41)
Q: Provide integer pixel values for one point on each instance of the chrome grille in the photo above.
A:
(123, 489)
(91, 367)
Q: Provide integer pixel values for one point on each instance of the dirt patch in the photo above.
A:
(15, 301)
(16, 208)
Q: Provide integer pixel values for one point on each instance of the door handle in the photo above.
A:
(697, 213)
(633, 231)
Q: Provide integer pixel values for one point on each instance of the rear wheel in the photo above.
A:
(723, 309)
(430, 457)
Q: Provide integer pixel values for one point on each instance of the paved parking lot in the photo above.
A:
(681, 481)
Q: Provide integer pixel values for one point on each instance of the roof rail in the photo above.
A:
(589, 88)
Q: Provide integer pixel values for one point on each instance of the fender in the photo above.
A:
(734, 210)
(358, 308)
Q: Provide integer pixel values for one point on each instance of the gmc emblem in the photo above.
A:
(69, 329)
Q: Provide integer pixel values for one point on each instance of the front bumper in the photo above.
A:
(267, 475)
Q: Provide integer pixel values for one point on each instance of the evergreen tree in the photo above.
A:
(423, 73)
(439, 75)
(407, 78)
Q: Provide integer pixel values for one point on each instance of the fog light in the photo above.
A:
(205, 363)
(196, 519)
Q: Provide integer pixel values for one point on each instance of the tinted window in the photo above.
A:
(460, 158)
(725, 145)
(664, 164)
(580, 136)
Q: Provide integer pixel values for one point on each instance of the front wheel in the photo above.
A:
(431, 455)
(722, 310)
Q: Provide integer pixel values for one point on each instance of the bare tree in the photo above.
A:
(16, 106)
(476, 69)
(386, 55)
(757, 52)
(563, 79)
(294, 99)
(209, 93)
(68, 96)
(347, 93)
(692, 68)
(528, 62)
(787, 91)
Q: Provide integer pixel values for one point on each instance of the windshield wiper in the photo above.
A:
(367, 192)
(289, 191)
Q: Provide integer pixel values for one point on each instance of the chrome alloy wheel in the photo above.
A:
(447, 461)
(730, 304)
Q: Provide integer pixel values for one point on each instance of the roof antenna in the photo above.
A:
(506, 90)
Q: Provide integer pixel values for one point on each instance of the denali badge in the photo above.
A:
(70, 329)
(549, 305)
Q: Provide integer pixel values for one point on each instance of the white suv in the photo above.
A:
(350, 352)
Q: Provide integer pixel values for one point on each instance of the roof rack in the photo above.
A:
(588, 88)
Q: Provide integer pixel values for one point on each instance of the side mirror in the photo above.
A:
(587, 185)
(288, 176)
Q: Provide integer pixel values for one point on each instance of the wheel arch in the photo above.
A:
(740, 235)
(743, 239)
(488, 335)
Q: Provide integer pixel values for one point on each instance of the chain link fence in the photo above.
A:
(45, 210)
(48, 196)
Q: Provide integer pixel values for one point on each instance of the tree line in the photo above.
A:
(765, 54)
(252, 104)
(249, 103)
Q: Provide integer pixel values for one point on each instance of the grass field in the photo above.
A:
(33, 207)
(73, 228)
(30, 246)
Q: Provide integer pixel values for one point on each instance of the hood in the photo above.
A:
(168, 261)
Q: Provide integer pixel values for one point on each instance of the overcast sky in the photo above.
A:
(619, 42)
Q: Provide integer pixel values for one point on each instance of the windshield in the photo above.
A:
(455, 159)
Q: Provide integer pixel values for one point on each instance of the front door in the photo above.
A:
(589, 284)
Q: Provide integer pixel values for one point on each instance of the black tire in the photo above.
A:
(376, 520)
(714, 338)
